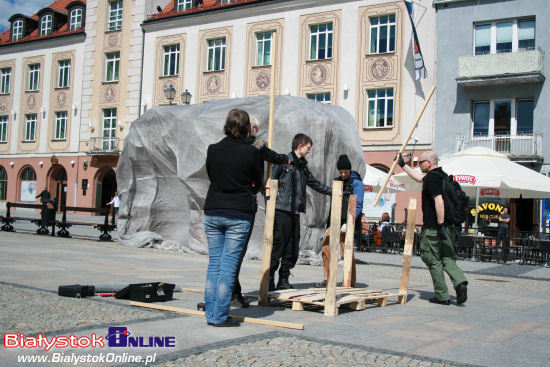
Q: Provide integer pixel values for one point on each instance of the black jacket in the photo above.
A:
(287, 191)
(234, 168)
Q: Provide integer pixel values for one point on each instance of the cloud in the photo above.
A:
(25, 7)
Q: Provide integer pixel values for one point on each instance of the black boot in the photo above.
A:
(284, 284)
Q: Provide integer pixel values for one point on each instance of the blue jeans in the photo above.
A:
(226, 238)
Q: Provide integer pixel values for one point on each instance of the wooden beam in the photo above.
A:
(272, 82)
(411, 130)
(288, 325)
(348, 243)
(268, 243)
(407, 251)
(335, 219)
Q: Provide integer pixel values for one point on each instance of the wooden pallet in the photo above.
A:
(355, 298)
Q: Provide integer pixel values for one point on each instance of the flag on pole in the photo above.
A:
(419, 67)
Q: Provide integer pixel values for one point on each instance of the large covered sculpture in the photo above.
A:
(162, 180)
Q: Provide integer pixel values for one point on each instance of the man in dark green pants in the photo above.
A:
(436, 247)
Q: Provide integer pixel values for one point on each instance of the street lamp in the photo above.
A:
(170, 93)
(186, 97)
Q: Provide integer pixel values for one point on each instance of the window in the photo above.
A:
(502, 117)
(60, 125)
(115, 15)
(382, 34)
(216, 54)
(171, 60)
(109, 129)
(5, 77)
(112, 60)
(3, 183)
(28, 175)
(17, 30)
(33, 77)
(380, 108)
(320, 41)
(184, 4)
(263, 48)
(508, 36)
(46, 25)
(3, 129)
(28, 185)
(75, 21)
(63, 73)
(30, 127)
(320, 97)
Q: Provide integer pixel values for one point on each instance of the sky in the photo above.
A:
(26, 7)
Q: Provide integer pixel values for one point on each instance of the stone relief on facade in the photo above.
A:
(61, 99)
(213, 84)
(318, 74)
(31, 101)
(263, 79)
(379, 69)
(109, 93)
(3, 104)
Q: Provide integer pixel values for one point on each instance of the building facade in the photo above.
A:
(491, 85)
(355, 54)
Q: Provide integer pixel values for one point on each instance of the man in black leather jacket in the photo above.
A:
(291, 200)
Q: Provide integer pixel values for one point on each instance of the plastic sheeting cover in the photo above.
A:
(162, 180)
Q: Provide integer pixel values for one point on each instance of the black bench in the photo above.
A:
(105, 228)
(42, 223)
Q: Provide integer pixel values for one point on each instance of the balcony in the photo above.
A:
(518, 147)
(101, 145)
(501, 68)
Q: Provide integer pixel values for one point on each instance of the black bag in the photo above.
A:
(76, 290)
(147, 292)
(456, 201)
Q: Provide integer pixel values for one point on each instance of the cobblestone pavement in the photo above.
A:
(32, 311)
(280, 350)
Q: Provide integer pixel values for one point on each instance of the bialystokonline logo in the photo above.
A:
(117, 336)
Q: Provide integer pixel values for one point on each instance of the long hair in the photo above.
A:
(237, 124)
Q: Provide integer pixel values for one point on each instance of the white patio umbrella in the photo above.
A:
(484, 172)
(374, 179)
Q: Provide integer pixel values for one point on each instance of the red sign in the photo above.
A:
(465, 179)
(489, 192)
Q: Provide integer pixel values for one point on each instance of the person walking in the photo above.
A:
(234, 170)
(291, 201)
(436, 247)
(504, 234)
(352, 185)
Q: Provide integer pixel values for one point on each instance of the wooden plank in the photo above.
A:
(288, 325)
(382, 302)
(191, 290)
(336, 214)
(348, 243)
(407, 251)
(411, 130)
(297, 306)
(268, 242)
(272, 81)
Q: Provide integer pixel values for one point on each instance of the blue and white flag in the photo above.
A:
(419, 67)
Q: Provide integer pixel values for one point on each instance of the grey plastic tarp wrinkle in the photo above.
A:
(162, 180)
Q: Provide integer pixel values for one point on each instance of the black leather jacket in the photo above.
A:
(285, 191)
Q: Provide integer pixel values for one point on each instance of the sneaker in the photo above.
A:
(228, 323)
(201, 306)
(461, 293)
(440, 302)
(239, 301)
(322, 284)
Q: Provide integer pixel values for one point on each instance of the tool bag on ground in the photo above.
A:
(76, 290)
(147, 292)
(455, 199)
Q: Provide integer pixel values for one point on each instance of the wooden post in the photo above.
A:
(335, 218)
(268, 243)
(348, 243)
(272, 82)
(411, 130)
(407, 252)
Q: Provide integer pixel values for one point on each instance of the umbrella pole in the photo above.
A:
(475, 227)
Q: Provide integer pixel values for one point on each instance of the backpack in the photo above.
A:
(455, 199)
